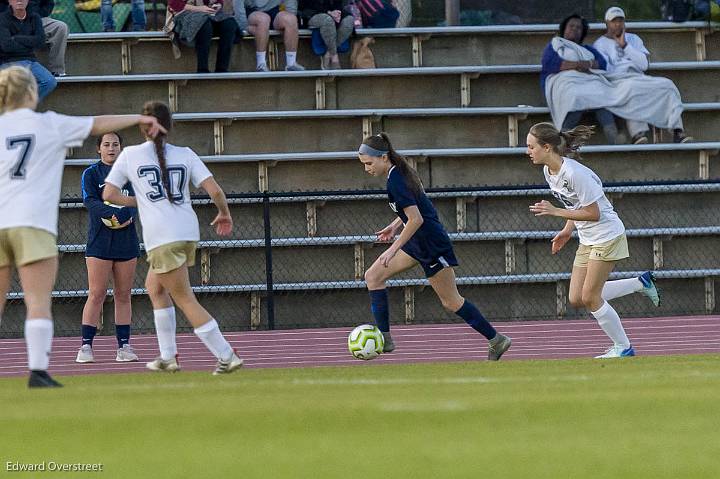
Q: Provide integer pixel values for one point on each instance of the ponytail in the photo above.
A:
(162, 112)
(564, 143)
(381, 142)
(17, 87)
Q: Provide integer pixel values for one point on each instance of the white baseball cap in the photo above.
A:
(614, 12)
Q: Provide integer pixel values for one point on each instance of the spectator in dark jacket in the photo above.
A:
(56, 33)
(334, 23)
(21, 34)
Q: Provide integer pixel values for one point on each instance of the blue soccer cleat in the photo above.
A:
(649, 288)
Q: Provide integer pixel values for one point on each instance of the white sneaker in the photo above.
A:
(126, 354)
(295, 67)
(226, 367)
(85, 354)
(616, 351)
(159, 364)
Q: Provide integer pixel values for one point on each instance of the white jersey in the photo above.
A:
(632, 58)
(162, 221)
(577, 186)
(32, 153)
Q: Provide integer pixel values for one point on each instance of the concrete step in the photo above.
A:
(150, 52)
(686, 293)
(233, 133)
(420, 87)
(441, 168)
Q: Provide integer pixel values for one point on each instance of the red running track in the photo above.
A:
(415, 343)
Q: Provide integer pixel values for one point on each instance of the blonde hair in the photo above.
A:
(17, 86)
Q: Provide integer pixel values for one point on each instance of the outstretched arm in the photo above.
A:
(108, 123)
(223, 222)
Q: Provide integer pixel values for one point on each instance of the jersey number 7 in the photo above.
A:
(25, 144)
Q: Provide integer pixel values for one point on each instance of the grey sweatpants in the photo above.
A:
(333, 34)
(56, 34)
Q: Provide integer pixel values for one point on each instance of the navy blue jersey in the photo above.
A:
(103, 242)
(430, 245)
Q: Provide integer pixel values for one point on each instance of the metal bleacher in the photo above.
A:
(458, 103)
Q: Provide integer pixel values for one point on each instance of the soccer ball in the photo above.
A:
(366, 342)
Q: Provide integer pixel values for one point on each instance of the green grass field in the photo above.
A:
(646, 417)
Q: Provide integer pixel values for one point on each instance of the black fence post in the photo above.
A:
(268, 262)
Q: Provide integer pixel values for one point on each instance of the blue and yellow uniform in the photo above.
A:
(430, 245)
(104, 242)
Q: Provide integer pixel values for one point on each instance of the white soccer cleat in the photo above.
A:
(126, 354)
(616, 351)
(85, 354)
(159, 364)
(226, 367)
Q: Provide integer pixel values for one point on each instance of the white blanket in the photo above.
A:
(633, 96)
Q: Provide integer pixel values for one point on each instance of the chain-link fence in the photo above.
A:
(298, 259)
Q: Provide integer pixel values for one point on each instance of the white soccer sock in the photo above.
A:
(165, 329)
(621, 287)
(260, 58)
(38, 338)
(290, 58)
(209, 333)
(609, 321)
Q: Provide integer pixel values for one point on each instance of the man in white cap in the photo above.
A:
(626, 53)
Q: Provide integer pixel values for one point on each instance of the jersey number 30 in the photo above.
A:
(177, 176)
(25, 144)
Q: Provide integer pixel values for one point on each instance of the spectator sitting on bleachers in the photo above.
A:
(56, 33)
(257, 16)
(334, 23)
(137, 13)
(626, 53)
(378, 13)
(194, 22)
(627, 95)
(21, 33)
(573, 30)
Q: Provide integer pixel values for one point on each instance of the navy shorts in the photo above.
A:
(273, 12)
(433, 264)
(116, 260)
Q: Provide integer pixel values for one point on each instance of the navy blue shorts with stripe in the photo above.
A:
(432, 264)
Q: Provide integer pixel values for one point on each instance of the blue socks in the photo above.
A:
(379, 306)
(468, 312)
(88, 334)
(474, 318)
(122, 331)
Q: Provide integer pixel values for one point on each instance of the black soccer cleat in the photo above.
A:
(389, 345)
(41, 379)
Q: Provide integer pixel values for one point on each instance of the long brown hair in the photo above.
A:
(17, 85)
(564, 143)
(161, 111)
(382, 142)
